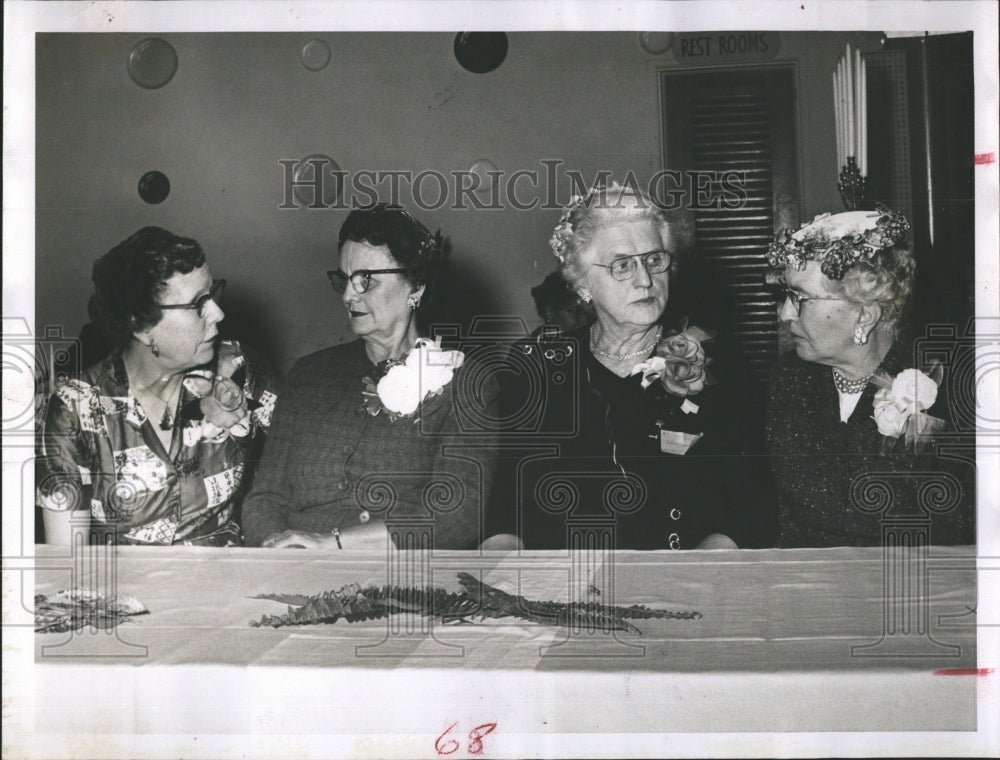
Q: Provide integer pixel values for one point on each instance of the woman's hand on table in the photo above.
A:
(717, 541)
(373, 535)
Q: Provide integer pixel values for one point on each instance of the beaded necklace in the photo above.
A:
(622, 357)
(846, 385)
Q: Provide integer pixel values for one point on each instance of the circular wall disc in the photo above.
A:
(315, 55)
(656, 43)
(480, 52)
(329, 183)
(152, 63)
(487, 173)
(154, 187)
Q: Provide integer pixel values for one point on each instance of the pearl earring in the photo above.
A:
(413, 301)
(860, 337)
(154, 349)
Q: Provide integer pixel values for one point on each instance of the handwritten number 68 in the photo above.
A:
(445, 746)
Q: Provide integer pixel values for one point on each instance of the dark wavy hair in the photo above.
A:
(130, 278)
(411, 244)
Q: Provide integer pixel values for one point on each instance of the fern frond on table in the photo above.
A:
(477, 601)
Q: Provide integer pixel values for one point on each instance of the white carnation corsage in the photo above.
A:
(900, 407)
(409, 381)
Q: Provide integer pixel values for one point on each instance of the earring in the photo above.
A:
(154, 349)
(860, 336)
(586, 297)
(413, 301)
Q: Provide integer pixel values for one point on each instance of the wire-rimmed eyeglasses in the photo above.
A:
(199, 304)
(797, 299)
(624, 267)
(360, 279)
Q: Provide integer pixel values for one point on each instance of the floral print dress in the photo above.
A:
(100, 453)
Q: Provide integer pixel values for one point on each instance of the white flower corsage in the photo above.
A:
(421, 374)
(900, 407)
(678, 362)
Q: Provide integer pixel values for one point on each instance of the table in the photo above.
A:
(789, 640)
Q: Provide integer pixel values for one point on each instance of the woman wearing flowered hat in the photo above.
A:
(849, 410)
(368, 436)
(632, 438)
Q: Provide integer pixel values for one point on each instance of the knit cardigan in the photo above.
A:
(330, 464)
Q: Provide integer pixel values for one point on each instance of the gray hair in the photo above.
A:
(601, 208)
(887, 281)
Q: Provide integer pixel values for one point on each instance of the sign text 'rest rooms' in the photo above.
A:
(708, 47)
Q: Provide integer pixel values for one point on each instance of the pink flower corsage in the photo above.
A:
(679, 363)
(222, 404)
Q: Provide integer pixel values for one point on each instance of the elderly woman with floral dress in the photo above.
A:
(854, 413)
(375, 439)
(154, 444)
(625, 443)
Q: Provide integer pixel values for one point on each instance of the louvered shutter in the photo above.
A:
(740, 122)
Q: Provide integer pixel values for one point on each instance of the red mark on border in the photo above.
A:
(984, 159)
(964, 672)
(450, 745)
(476, 737)
(446, 748)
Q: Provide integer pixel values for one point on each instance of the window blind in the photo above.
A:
(737, 128)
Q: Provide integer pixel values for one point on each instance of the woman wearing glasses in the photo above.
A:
(853, 411)
(638, 441)
(367, 442)
(151, 445)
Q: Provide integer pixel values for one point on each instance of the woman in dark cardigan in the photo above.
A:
(371, 435)
(853, 418)
(623, 444)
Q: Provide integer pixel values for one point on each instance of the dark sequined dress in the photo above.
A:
(834, 486)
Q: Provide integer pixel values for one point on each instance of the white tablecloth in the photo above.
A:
(784, 644)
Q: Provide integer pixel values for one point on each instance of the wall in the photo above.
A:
(241, 102)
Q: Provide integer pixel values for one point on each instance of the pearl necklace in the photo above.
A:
(622, 357)
(845, 385)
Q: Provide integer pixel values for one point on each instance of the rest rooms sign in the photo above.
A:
(726, 47)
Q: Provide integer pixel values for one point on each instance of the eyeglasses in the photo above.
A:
(624, 267)
(361, 279)
(798, 299)
(201, 302)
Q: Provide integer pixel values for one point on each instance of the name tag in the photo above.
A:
(674, 442)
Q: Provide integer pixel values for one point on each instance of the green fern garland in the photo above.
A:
(477, 601)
